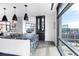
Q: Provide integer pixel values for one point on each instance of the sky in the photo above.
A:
(71, 17)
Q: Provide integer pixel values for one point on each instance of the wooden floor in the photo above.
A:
(46, 49)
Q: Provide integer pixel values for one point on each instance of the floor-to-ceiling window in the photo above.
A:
(68, 38)
(70, 27)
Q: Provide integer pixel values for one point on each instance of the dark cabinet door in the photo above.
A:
(40, 27)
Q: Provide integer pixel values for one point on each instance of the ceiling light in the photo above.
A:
(4, 17)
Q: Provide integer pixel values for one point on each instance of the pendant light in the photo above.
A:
(14, 16)
(4, 17)
(25, 16)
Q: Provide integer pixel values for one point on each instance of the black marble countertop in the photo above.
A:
(21, 36)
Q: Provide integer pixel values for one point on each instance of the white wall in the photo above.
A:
(19, 25)
(55, 26)
(50, 27)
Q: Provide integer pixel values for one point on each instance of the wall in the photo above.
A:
(19, 25)
(50, 29)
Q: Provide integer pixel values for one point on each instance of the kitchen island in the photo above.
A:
(18, 44)
(15, 47)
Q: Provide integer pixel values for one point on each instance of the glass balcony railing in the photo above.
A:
(67, 48)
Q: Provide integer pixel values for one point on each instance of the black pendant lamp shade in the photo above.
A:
(25, 16)
(14, 16)
(4, 17)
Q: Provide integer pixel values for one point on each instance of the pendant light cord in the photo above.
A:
(14, 9)
(4, 10)
(25, 8)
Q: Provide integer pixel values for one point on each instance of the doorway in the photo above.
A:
(40, 27)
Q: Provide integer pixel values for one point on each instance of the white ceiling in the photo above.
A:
(33, 9)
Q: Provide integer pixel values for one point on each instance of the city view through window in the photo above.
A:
(70, 28)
